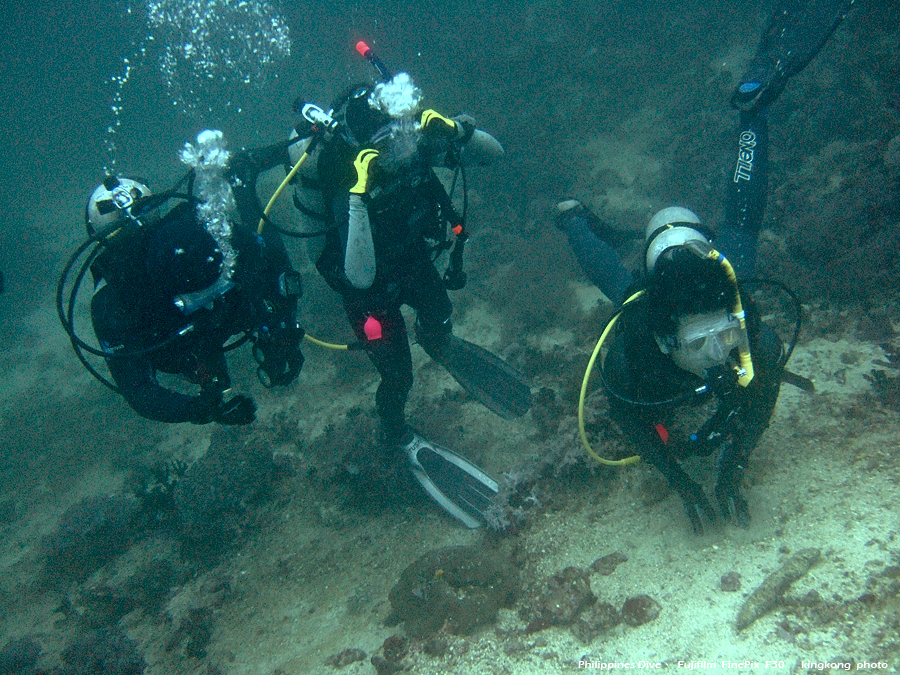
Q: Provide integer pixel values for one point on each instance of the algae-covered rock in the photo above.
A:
(89, 535)
(458, 588)
(771, 592)
(640, 609)
(596, 620)
(564, 596)
(213, 496)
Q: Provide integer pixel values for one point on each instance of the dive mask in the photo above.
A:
(702, 341)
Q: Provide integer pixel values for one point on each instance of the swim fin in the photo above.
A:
(458, 486)
(488, 378)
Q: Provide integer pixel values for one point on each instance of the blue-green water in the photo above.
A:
(623, 105)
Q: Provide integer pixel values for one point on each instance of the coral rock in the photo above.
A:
(565, 596)
(595, 621)
(457, 588)
(640, 609)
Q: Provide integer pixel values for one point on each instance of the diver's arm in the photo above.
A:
(247, 163)
(136, 380)
(752, 413)
(134, 374)
(597, 259)
(757, 403)
(244, 168)
(359, 249)
(647, 439)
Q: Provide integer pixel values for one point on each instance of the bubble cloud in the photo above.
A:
(215, 41)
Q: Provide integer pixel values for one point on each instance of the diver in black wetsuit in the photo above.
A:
(386, 209)
(169, 294)
(690, 369)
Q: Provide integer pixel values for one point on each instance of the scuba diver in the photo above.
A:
(171, 289)
(385, 216)
(689, 367)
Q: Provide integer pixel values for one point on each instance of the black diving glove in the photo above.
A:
(454, 280)
(278, 355)
(210, 406)
(697, 507)
(732, 504)
(238, 409)
(728, 492)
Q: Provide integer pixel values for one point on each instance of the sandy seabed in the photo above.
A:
(311, 577)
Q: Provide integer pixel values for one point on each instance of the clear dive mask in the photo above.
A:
(703, 341)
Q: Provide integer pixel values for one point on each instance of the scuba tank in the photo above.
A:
(311, 219)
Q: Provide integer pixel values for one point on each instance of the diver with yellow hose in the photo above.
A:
(368, 186)
(689, 367)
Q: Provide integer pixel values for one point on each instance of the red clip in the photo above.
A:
(457, 230)
(663, 433)
(372, 329)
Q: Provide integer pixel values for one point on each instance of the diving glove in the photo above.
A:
(212, 406)
(361, 164)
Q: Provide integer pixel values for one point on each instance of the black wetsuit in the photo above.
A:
(656, 405)
(145, 333)
(408, 211)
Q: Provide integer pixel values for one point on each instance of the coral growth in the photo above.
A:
(107, 651)
(213, 497)
(563, 597)
(640, 609)
(19, 656)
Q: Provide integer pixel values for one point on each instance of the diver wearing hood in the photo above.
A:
(169, 295)
(692, 371)
(386, 208)
(689, 367)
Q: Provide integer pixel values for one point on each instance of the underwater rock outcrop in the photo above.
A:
(19, 656)
(771, 592)
(596, 620)
(563, 597)
(640, 609)
(456, 588)
(107, 651)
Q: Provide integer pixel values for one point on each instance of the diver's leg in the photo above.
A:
(593, 242)
(794, 35)
(391, 356)
(427, 295)
(745, 193)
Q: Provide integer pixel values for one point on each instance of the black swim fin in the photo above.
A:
(488, 378)
(458, 486)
